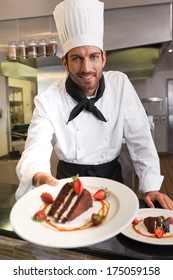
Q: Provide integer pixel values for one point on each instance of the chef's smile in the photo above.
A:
(87, 77)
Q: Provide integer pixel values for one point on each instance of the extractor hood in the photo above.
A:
(19, 70)
(137, 62)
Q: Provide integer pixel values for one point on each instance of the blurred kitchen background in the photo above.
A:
(138, 41)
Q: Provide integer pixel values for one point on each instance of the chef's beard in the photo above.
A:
(89, 87)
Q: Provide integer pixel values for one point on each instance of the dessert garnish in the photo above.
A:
(40, 216)
(97, 219)
(135, 221)
(170, 219)
(101, 194)
(47, 197)
(77, 185)
(159, 232)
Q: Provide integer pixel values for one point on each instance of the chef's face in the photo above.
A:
(85, 65)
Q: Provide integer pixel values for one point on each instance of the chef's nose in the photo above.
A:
(86, 65)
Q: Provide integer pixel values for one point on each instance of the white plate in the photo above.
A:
(123, 209)
(153, 212)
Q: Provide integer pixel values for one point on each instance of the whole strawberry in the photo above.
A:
(101, 194)
(39, 216)
(135, 221)
(77, 185)
(97, 219)
(47, 197)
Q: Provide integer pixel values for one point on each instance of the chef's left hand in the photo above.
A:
(153, 196)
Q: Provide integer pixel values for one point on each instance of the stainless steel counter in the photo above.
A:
(7, 200)
(118, 247)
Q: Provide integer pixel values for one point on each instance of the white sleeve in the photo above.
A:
(38, 148)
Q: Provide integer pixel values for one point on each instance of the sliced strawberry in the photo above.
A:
(97, 219)
(47, 197)
(77, 185)
(39, 216)
(101, 194)
(159, 232)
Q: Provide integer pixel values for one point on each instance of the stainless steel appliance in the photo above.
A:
(170, 116)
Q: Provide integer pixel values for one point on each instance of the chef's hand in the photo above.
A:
(153, 196)
(44, 178)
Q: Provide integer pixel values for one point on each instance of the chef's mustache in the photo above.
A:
(85, 73)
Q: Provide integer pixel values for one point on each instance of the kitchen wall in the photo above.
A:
(24, 8)
(156, 86)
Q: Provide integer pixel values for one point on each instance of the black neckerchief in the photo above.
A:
(83, 102)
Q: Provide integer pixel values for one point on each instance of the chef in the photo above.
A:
(88, 113)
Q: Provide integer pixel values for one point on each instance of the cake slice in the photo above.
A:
(152, 223)
(68, 205)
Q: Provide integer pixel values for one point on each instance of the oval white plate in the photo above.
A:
(153, 212)
(123, 209)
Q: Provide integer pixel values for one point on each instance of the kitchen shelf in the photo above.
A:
(39, 61)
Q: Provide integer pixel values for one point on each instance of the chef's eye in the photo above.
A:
(94, 56)
(76, 58)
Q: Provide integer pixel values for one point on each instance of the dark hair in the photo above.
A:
(66, 57)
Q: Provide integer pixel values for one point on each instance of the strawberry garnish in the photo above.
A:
(39, 216)
(159, 232)
(47, 197)
(101, 194)
(77, 185)
(135, 221)
(170, 219)
(97, 219)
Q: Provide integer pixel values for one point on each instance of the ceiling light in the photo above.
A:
(170, 50)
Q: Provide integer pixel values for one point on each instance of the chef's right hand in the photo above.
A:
(44, 178)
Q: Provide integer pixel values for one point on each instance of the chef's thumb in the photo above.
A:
(44, 178)
(52, 181)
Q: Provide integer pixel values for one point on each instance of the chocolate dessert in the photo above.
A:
(152, 223)
(68, 205)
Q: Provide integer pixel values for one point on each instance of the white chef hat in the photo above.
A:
(79, 23)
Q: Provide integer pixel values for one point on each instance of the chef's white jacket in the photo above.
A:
(87, 140)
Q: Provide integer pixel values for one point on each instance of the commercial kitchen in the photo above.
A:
(138, 42)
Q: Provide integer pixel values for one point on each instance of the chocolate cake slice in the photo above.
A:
(68, 205)
(156, 222)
